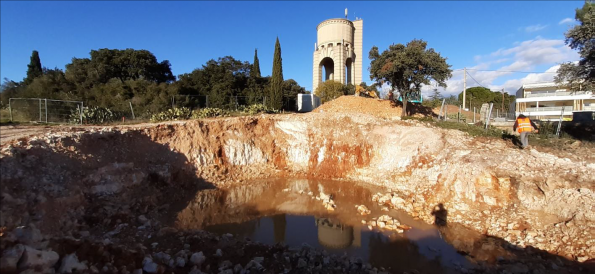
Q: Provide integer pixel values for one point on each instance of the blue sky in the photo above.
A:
(503, 35)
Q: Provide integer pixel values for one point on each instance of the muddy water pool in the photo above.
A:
(292, 212)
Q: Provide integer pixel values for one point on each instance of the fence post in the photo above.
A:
(441, 109)
(10, 108)
(39, 109)
(473, 115)
(46, 111)
(445, 113)
(81, 112)
(459, 115)
(131, 110)
(207, 100)
(560, 122)
(489, 116)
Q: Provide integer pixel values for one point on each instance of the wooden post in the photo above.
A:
(441, 109)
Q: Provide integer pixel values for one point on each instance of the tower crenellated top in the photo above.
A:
(334, 21)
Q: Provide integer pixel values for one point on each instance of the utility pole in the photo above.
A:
(464, 85)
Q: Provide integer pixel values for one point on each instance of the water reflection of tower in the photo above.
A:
(332, 234)
(279, 226)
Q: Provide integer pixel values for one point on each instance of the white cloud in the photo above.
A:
(535, 28)
(512, 85)
(566, 21)
(523, 56)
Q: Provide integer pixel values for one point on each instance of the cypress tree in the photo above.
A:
(34, 69)
(255, 72)
(275, 99)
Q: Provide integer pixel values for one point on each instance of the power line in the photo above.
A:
(511, 71)
(475, 80)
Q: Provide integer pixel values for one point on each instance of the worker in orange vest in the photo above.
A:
(524, 125)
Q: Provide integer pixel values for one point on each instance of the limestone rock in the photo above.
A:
(301, 263)
(149, 266)
(219, 253)
(198, 259)
(33, 258)
(10, 258)
(180, 262)
(71, 262)
(363, 210)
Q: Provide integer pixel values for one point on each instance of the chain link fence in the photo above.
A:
(42, 110)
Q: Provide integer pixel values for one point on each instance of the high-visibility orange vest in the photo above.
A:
(524, 125)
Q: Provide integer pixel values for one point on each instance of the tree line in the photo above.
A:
(112, 78)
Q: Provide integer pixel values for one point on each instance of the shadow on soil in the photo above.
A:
(144, 178)
(413, 109)
(495, 254)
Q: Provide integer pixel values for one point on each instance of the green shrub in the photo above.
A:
(95, 115)
(182, 113)
(209, 112)
(258, 108)
(455, 116)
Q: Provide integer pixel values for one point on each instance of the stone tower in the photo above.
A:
(338, 52)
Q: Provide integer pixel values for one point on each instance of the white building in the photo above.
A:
(546, 101)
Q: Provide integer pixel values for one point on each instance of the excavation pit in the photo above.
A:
(129, 197)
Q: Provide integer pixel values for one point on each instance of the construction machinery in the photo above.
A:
(414, 97)
(360, 91)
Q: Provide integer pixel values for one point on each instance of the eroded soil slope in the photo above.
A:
(92, 184)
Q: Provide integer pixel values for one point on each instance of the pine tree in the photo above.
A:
(436, 95)
(275, 99)
(34, 69)
(255, 72)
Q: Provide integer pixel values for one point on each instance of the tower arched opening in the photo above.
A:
(348, 72)
(327, 68)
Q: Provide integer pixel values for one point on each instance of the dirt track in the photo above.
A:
(10, 133)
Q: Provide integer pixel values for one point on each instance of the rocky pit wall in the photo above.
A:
(527, 197)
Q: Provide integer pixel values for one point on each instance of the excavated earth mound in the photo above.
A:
(361, 105)
(103, 199)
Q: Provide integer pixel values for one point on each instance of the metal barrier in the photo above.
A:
(44, 110)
